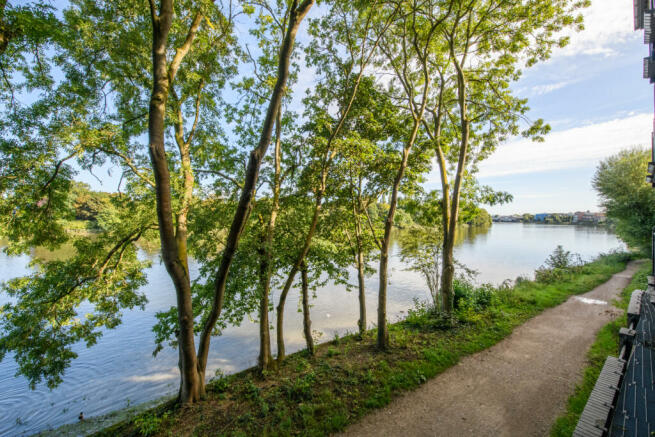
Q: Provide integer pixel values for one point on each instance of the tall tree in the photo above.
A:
(356, 28)
(406, 48)
(486, 42)
(173, 235)
(296, 13)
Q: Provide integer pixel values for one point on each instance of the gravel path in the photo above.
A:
(515, 388)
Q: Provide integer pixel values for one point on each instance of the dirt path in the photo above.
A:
(516, 388)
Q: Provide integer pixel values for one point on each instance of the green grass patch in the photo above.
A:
(606, 344)
(346, 379)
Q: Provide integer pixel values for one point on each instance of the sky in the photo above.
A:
(592, 95)
(594, 98)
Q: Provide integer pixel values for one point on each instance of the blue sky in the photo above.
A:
(590, 92)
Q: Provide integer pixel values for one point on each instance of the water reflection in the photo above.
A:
(120, 369)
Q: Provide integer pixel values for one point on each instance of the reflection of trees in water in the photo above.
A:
(465, 233)
(149, 251)
(470, 233)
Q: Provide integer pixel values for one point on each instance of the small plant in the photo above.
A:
(302, 365)
(149, 424)
(219, 383)
(250, 390)
(301, 388)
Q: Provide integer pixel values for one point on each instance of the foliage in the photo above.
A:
(421, 247)
(467, 295)
(483, 218)
(88, 204)
(149, 424)
(558, 265)
(628, 200)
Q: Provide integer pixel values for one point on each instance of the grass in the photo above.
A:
(606, 344)
(348, 377)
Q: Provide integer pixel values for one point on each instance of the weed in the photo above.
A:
(149, 424)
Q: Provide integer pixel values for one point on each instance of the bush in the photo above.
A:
(563, 259)
(467, 295)
(558, 266)
(462, 292)
(424, 317)
(548, 276)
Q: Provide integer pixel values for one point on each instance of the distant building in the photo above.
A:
(588, 217)
(541, 217)
(506, 218)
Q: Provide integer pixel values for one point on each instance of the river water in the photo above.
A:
(120, 370)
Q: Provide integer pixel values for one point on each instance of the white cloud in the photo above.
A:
(539, 90)
(572, 148)
(608, 23)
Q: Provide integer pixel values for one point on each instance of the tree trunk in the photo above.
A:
(281, 354)
(448, 274)
(361, 323)
(449, 242)
(306, 319)
(383, 332)
(191, 382)
(265, 359)
(297, 13)
(359, 263)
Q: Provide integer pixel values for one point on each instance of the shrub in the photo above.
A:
(463, 292)
(562, 259)
(424, 317)
(558, 265)
(469, 296)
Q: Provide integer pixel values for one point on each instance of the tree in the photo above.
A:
(359, 27)
(406, 51)
(88, 204)
(296, 12)
(626, 196)
(184, 97)
(474, 109)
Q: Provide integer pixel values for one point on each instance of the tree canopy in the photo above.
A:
(629, 201)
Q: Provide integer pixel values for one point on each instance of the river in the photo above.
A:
(120, 370)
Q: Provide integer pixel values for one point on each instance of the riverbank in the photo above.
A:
(348, 378)
(606, 344)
